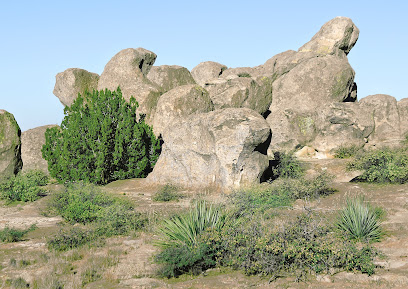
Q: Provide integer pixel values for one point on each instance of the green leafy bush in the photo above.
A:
(360, 221)
(287, 166)
(167, 193)
(101, 140)
(244, 74)
(382, 166)
(345, 152)
(105, 215)
(25, 186)
(9, 235)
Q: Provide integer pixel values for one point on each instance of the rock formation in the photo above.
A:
(10, 146)
(170, 76)
(73, 81)
(32, 141)
(206, 71)
(216, 148)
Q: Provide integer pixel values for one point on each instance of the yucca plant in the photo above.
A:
(360, 221)
(184, 229)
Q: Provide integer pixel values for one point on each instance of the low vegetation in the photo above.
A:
(287, 166)
(8, 235)
(167, 193)
(25, 187)
(386, 165)
(347, 151)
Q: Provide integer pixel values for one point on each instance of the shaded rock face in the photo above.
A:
(403, 113)
(73, 81)
(10, 146)
(32, 141)
(206, 71)
(238, 92)
(170, 76)
(128, 69)
(215, 148)
(179, 103)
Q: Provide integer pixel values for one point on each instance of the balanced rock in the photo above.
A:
(32, 141)
(170, 76)
(337, 36)
(216, 148)
(128, 70)
(383, 109)
(178, 103)
(10, 146)
(73, 81)
(206, 71)
(239, 92)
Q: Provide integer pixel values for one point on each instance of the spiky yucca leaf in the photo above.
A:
(184, 229)
(359, 221)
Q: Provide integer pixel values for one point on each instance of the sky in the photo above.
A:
(42, 38)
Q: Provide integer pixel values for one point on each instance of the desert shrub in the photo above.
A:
(279, 193)
(382, 166)
(105, 215)
(287, 166)
(9, 235)
(301, 246)
(18, 283)
(344, 152)
(25, 186)
(359, 221)
(167, 193)
(244, 74)
(101, 140)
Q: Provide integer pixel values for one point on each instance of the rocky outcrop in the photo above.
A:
(10, 146)
(32, 141)
(73, 81)
(179, 103)
(128, 69)
(238, 92)
(219, 148)
(206, 71)
(170, 76)
(403, 113)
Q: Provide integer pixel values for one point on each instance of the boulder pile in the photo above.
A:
(221, 126)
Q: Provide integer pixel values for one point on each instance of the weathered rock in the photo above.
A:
(73, 81)
(337, 36)
(238, 92)
(10, 146)
(403, 113)
(170, 76)
(231, 73)
(206, 71)
(215, 148)
(383, 109)
(334, 167)
(127, 69)
(179, 103)
(32, 141)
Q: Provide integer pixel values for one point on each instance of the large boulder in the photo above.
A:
(178, 103)
(403, 112)
(206, 71)
(10, 146)
(383, 109)
(337, 36)
(32, 141)
(238, 92)
(170, 76)
(128, 69)
(220, 148)
(73, 81)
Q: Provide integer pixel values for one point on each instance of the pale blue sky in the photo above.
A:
(41, 38)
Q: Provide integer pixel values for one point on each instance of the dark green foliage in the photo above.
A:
(345, 152)
(9, 235)
(101, 140)
(25, 187)
(244, 74)
(382, 166)
(103, 214)
(167, 193)
(287, 166)
(359, 221)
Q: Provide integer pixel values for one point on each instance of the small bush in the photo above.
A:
(18, 283)
(166, 194)
(345, 152)
(244, 74)
(25, 187)
(70, 238)
(382, 166)
(360, 221)
(9, 235)
(287, 166)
